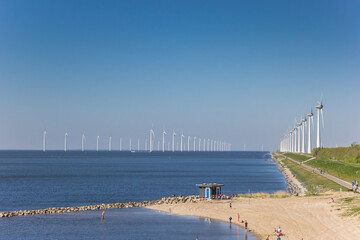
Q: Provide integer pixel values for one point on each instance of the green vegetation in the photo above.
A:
(279, 194)
(351, 206)
(297, 157)
(347, 154)
(342, 170)
(313, 182)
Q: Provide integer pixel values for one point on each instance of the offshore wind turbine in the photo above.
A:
(173, 140)
(194, 144)
(130, 145)
(204, 145)
(181, 142)
(110, 144)
(188, 143)
(310, 115)
(66, 134)
(199, 144)
(163, 135)
(44, 141)
(97, 143)
(152, 135)
(82, 142)
(319, 107)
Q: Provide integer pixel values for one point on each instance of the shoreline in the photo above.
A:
(294, 186)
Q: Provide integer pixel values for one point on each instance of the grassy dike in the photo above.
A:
(309, 179)
(297, 157)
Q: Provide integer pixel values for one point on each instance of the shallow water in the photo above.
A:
(136, 223)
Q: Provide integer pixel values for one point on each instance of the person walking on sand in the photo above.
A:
(230, 218)
(230, 205)
(246, 225)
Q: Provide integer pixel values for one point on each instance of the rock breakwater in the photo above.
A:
(60, 210)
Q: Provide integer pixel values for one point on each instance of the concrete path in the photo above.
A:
(314, 170)
(309, 159)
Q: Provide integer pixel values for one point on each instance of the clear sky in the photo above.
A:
(241, 71)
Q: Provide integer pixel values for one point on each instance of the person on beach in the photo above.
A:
(246, 225)
(238, 217)
(352, 186)
(103, 215)
(230, 218)
(279, 230)
(230, 205)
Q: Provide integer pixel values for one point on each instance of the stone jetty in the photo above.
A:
(59, 210)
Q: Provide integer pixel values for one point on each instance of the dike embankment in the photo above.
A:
(61, 210)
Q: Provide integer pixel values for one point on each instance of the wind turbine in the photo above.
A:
(138, 145)
(188, 143)
(194, 144)
(181, 144)
(145, 144)
(311, 119)
(152, 135)
(299, 136)
(110, 144)
(303, 134)
(97, 143)
(199, 144)
(173, 141)
(44, 140)
(130, 145)
(164, 133)
(66, 134)
(320, 111)
(204, 145)
(82, 142)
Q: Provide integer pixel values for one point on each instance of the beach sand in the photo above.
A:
(299, 217)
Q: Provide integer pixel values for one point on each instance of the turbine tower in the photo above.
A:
(164, 133)
(181, 142)
(97, 143)
(44, 141)
(130, 145)
(303, 134)
(188, 143)
(299, 136)
(310, 115)
(66, 134)
(320, 111)
(82, 142)
(194, 144)
(152, 135)
(173, 140)
(110, 144)
(199, 144)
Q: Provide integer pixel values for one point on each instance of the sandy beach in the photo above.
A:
(299, 217)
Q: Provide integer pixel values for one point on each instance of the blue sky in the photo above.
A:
(241, 71)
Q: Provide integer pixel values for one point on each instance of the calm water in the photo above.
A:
(35, 180)
(120, 224)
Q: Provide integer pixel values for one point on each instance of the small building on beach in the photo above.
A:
(207, 190)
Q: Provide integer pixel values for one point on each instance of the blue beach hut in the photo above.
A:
(208, 190)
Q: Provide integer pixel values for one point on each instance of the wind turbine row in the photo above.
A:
(294, 140)
(209, 145)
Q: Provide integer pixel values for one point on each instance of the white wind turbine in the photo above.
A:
(173, 141)
(97, 143)
(44, 141)
(66, 134)
(188, 143)
(311, 119)
(130, 145)
(208, 145)
(163, 135)
(303, 134)
(319, 107)
(181, 142)
(194, 144)
(199, 144)
(110, 144)
(299, 136)
(204, 144)
(82, 142)
(152, 135)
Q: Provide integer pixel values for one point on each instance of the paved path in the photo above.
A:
(328, 176)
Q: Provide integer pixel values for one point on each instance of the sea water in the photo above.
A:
(35, 180)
